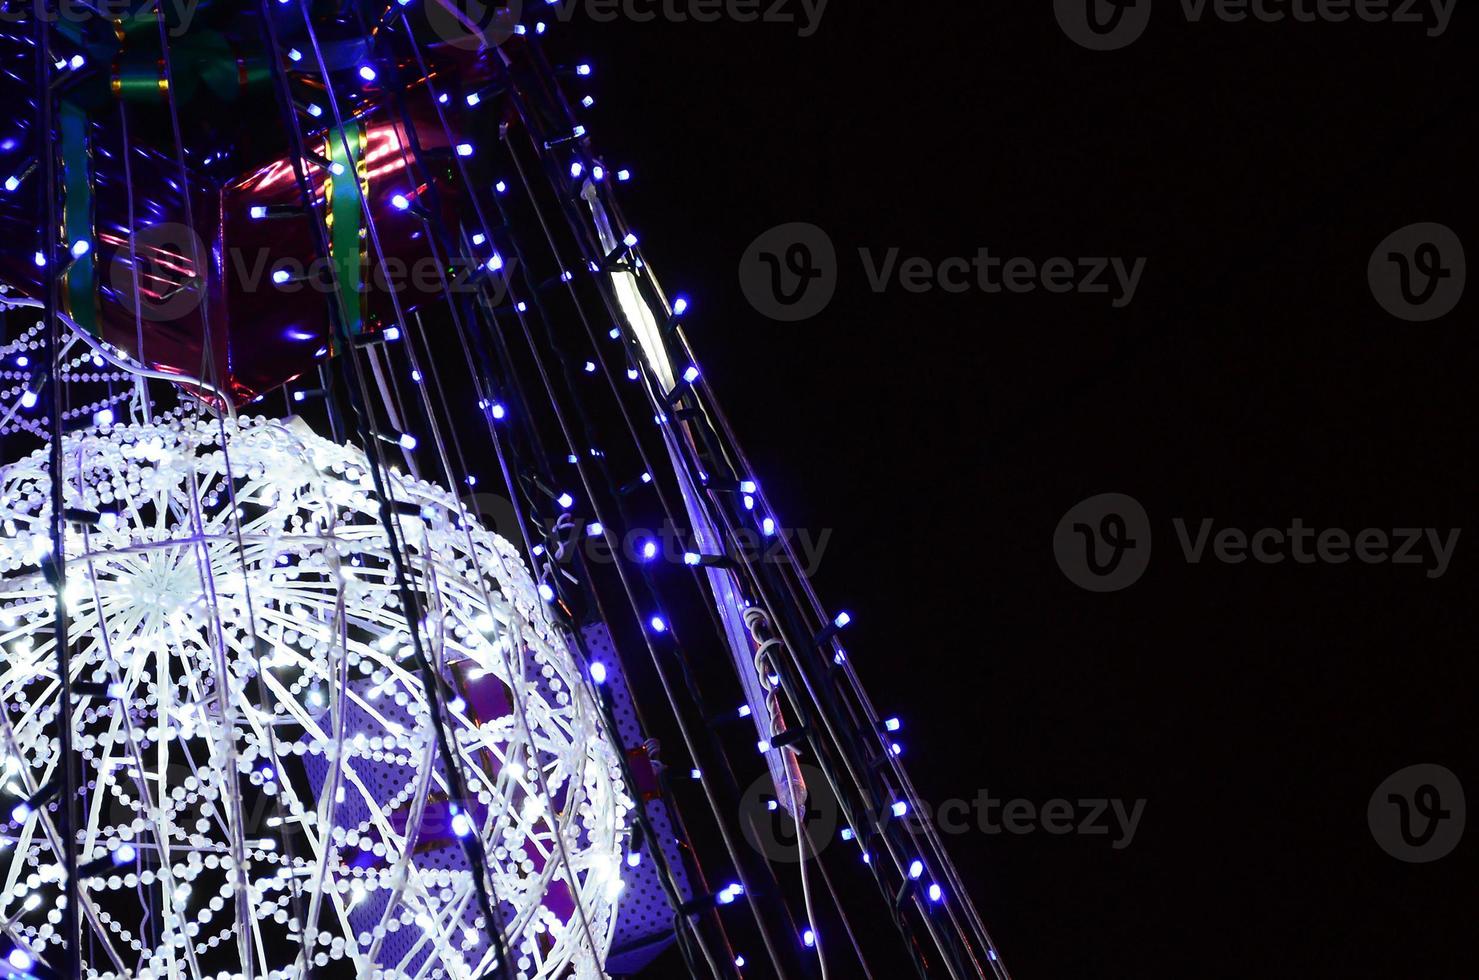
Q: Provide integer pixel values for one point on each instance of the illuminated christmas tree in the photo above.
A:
(394, 536)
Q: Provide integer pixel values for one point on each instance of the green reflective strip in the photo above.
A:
(345, 242)
(77, 218)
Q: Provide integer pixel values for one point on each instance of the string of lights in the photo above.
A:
(429, 772)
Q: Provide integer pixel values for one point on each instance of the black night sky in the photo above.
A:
(1253, 380)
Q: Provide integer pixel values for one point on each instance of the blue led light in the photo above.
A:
(367, 73)
(598, 672)
(565, 500)
(400, 202)
(658, 624)
(690, 374)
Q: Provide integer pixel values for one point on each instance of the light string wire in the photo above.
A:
(247, 922)
(66, 805)
(430, 415)
(588, 488)
(359, 400)
(678, 646)
(646, 576)
(665, 307)
(461, 166)
(660, 409)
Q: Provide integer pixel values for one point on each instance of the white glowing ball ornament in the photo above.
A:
(261, 785)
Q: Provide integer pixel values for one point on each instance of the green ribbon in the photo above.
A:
(346, 214)
(81, 277)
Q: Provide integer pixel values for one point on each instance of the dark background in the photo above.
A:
(1253, 380)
